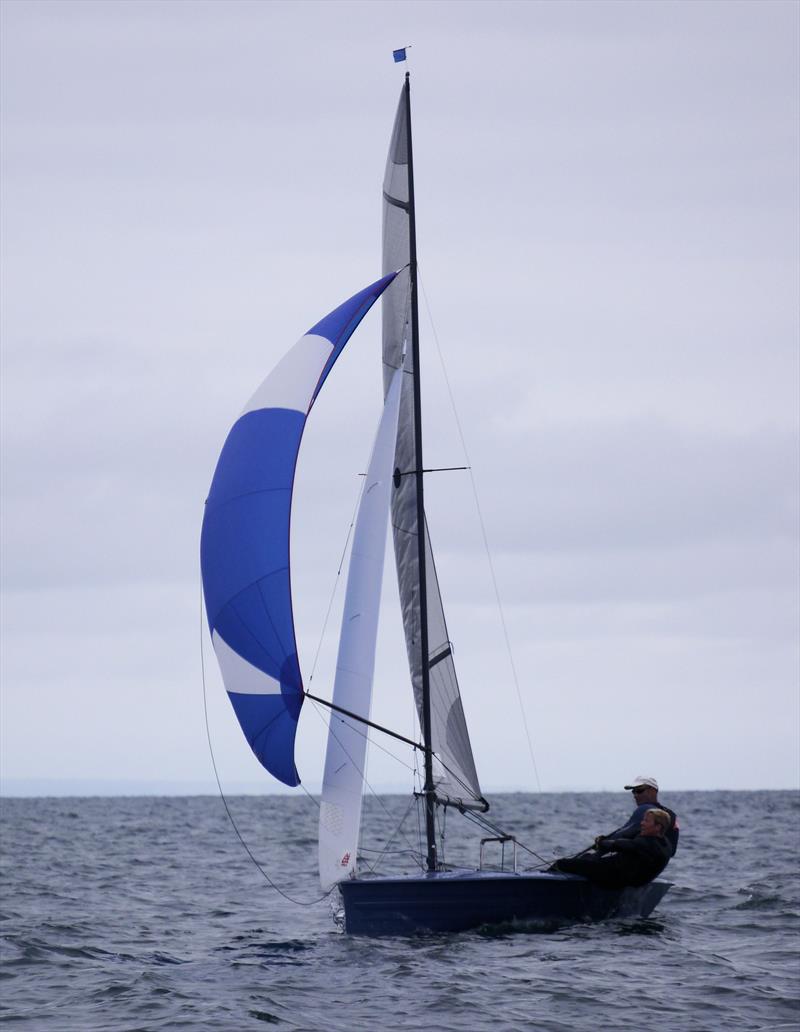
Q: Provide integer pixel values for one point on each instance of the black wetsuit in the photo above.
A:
(633, 861)
(631, 828)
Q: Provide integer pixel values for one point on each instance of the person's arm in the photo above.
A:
(617, 845)
(627, 831)
(633, 825)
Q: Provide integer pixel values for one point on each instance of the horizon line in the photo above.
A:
(49, 788)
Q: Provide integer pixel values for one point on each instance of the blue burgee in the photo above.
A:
(399, 55)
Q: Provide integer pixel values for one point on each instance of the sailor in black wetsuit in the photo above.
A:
(645, 792)
(627, 861)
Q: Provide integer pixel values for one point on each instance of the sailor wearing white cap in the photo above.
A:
(645, 792)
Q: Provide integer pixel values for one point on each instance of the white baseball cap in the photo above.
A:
(642, 782)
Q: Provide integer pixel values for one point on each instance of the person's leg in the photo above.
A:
(599, 870)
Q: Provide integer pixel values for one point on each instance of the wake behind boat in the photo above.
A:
(246, 577)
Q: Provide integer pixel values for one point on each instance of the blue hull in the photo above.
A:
(455, 901)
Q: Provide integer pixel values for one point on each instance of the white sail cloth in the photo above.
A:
(457, 779)
(340, 808)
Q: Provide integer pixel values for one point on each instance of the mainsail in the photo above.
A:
(244, 549)
(456, 777)
(340, 806)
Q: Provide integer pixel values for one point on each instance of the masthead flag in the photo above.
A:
(399, 55)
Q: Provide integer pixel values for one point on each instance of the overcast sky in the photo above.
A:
(608, 234)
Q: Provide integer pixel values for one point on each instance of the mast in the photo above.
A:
(429, 791)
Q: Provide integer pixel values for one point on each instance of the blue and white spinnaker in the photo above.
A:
(244, 550)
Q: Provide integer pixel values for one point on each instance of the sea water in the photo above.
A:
(148, 914)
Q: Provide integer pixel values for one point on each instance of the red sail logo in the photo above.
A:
(345, 860)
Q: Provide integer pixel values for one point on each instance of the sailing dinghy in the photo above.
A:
(247, 586)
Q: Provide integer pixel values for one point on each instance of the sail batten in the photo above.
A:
(244, 549)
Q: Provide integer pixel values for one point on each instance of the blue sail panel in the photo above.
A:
(244, 549)
(273, 727)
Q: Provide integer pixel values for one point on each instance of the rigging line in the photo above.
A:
(377, 745)
(361, 772)
(484, 825)
(417, 796)
(313, 799)
(534, 853)
(336, 581)
(487, 825)
(362, 720)
(515, 678)
(315, 701)
(393, 852)
(363, 776)
(437, 469)
(394, 734)
(419, 857)
(363, 734)
(270, 882)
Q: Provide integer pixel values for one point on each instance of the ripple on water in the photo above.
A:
(172, 928)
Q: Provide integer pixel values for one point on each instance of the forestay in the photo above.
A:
(458, 780)
(244, 549)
